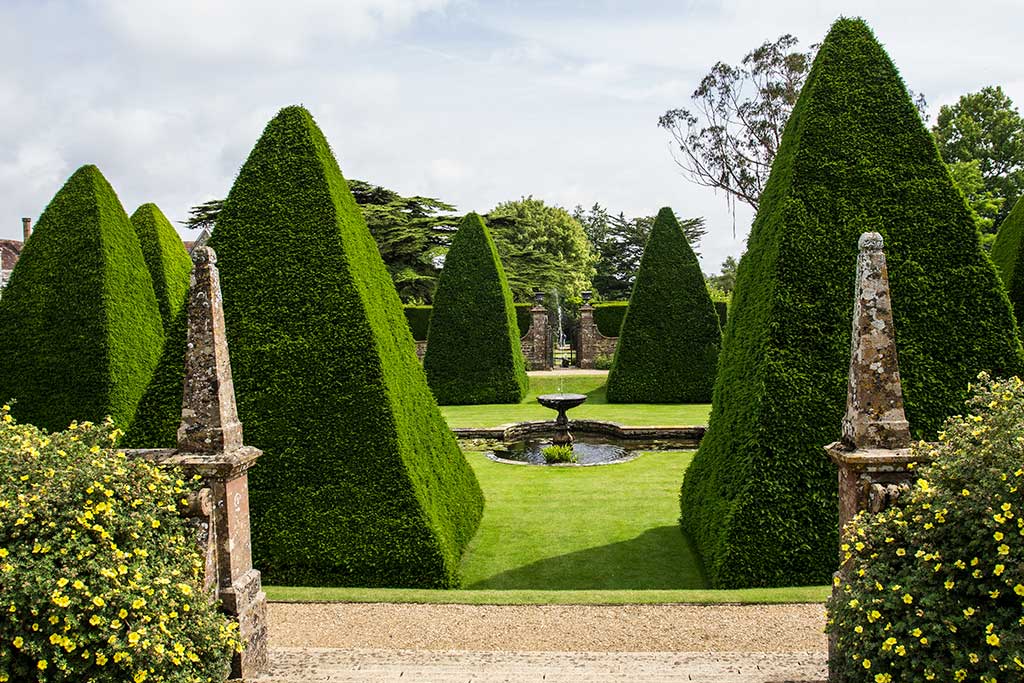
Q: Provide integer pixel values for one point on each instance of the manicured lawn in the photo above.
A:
(575, 535)
(609, 527)
(596, 407)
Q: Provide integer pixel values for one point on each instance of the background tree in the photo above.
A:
(618, 243)
(726, 279)
(985, 126)
(412, 234)
(985, 204)
(729, 139)
(541, 247)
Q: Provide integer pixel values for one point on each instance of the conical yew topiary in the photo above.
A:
(669, 342)
(80, 331)
(166, 259)
(473, 351)
(361, 482)
(760, 496)
(1006, 255)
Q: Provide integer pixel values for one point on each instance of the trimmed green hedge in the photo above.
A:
(418, 318)
(159, 415)
(166, 258)
(80, 330)
(608, 315)
(523, 318)
(473, 353)
(361, 482)
(1006, 255)
(759, 498)
(668, 348)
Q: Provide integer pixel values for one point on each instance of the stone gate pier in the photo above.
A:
(873, 454)
(210, 444)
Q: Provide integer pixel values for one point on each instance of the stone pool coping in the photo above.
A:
(686, 436)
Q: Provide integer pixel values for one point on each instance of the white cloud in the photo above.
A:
(258, 30)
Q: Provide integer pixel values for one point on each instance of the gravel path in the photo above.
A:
(565, 628)
(343, 642)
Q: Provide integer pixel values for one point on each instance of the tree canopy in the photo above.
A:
(985, 126)
(618, 243)
(541, 247)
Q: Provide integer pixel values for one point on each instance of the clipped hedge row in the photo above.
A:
(608, 315)
(80, 329)
(668, 348)
(473, 354)
(361, 482)
(759, 498)
(166, 259)
(1006, 255)
(418, 318)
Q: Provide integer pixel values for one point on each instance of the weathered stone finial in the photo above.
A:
(209, 418)
(874, 403)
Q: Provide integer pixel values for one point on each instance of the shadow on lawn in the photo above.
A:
(658, 559)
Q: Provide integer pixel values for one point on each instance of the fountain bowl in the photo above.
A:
(561, 402)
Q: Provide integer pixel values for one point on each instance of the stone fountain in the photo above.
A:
(561, 403)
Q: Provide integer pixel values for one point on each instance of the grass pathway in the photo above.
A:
(610, 527)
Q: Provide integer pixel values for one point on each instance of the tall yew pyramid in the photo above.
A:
(361, 483)
(1006, 254)
(80, 331)
(760, 496)
(166, 259)
(670, 339)
(473, 352)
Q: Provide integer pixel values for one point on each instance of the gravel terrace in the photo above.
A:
(574, 643)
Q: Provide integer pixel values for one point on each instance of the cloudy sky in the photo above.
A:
(471, 101)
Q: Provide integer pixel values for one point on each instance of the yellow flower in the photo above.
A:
(18, 642)
(992, 639)
(133, 637)
(998, 570)
(98, 601)
(101, 658)
(998, 535)
(42, 662)
(908, 598)
(866, 663)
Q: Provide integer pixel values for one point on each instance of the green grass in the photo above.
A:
(596, 407)
(574, 535)
(537, 597)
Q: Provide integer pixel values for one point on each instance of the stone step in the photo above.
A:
(309, 665)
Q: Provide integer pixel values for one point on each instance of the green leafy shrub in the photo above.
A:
(100, 577)
(473, 352)
(759, 498)
(361, 482)
(934, 588)
(80, 329)
(558, 453)
(608, 317)
(418, 318)
(1006, 255)
(166, 258)
(668, 346)
(602, 362)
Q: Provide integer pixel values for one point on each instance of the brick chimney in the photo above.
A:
(26, 228)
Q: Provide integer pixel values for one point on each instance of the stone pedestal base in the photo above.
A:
(246, 602)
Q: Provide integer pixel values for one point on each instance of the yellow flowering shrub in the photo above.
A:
(100, 578)
(934, 589)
